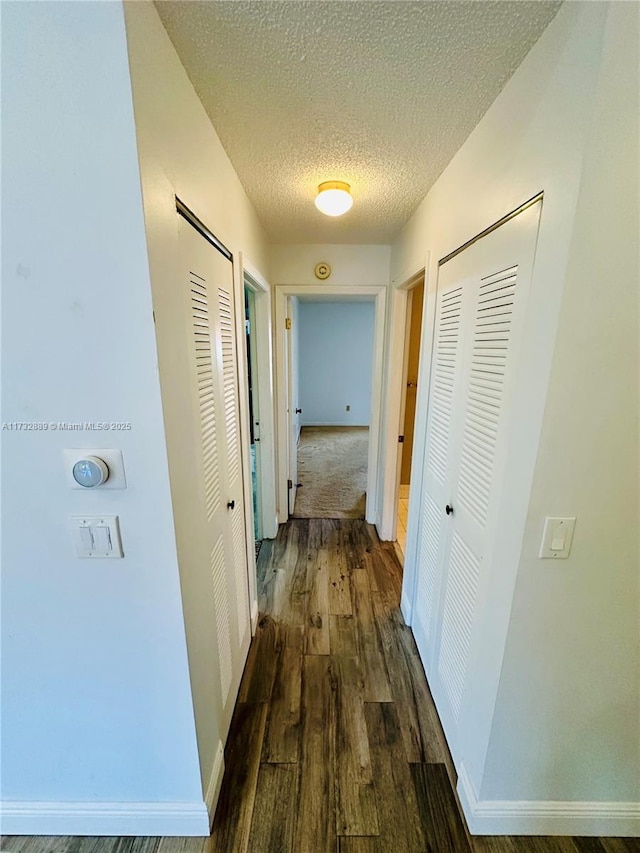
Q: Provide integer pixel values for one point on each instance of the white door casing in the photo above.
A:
(254, 413)
(292, 402)
(480, 307)
(284, 427)
(264, 381)
(391, 450)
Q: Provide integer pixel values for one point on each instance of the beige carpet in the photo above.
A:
(332, 467)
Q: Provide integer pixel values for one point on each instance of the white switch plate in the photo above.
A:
(96, 536)
(113, 459)
(556, 538)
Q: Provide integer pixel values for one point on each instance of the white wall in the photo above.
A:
(350, 265)
(335, 360)
(574, 630)
(556, 716)
(180, 154)
(178, 145)
(97, 718)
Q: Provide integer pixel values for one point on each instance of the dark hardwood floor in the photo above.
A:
(335, 744)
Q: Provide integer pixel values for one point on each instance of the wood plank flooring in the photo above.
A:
(335, 744)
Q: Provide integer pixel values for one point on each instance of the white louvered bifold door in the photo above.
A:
(220, 521)
(228, 372)
(441, 442)
(480, 305)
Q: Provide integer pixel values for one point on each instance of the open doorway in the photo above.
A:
(415, 303)
(292, 393)
(254, 412)
(334, 363)
(289, 298)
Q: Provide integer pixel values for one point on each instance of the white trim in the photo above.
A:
(410, 575)
(546, 817)
(265, 383)
(406, 607)
(395, 366)
(378, 293)
(375, 423)
(394, 399)
(254, 616)
(215, 783)
(247, 274)
(331, 424)
(243, 413)
(82, 818)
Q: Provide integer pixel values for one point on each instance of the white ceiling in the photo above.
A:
(379, 94)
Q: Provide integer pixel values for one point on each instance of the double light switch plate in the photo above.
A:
(97, 536)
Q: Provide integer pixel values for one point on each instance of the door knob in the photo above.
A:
(231, 504)
(448, 509)
(298, 411)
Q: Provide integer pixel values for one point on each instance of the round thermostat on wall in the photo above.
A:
(90, 472)
(322, 271)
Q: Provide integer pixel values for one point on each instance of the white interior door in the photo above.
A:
(480, 307)
(214, 386)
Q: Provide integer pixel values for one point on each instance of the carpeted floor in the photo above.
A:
(332, 467)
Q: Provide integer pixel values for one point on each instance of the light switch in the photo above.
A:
(103, 538)
(556, 538)
(97, 536)
(86, 538)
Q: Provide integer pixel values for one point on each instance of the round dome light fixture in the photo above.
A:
(334, 198)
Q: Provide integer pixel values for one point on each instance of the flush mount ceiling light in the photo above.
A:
(334, 198)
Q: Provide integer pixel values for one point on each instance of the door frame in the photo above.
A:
(254, 402)
(394, 403)
(379, 293)
(291, 386)
(248, 275)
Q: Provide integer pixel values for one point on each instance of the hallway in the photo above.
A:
(335, 734)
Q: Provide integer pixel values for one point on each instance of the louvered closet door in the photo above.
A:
(481, 300)
(452, 307)
(214, 379)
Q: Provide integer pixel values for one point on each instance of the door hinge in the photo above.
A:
(287, 323)
(401, 439)
(289, 484)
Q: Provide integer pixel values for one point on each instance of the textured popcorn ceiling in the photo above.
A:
(379, 94)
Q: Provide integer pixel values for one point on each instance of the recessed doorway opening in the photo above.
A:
(254, 412)
(411, 365)
(329, 403)
(334, 378)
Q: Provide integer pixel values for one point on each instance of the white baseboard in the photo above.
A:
(254, 616)
(331, 424)
(82, 818)
(215, 783)
(540, 817)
